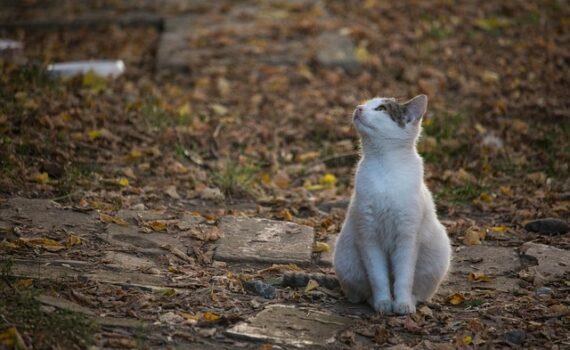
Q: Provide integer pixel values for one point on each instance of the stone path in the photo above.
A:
(132, 256)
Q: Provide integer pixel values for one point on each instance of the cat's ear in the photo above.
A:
(416, 108)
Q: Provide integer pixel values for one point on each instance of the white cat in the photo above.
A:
(391, 243)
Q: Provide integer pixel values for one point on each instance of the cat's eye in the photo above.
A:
(380, 108)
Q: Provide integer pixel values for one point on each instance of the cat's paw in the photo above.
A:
(384, 307)
(404, 308)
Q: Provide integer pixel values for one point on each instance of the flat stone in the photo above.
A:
(45, 213)
(336, 50)
(293, 326)
(128, 261)
(549, 262)
(488, 259)
(326, 258)
(500, 264)
(264, 241)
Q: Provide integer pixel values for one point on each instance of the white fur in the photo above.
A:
(392, 250)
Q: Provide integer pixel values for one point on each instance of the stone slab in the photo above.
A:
(47, 214)
(488, 259)
(549, 262)
(264, 241)
(292, 326)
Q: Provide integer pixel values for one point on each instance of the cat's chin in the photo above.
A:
(358, 122)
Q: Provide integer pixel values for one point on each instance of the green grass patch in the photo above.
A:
(41, 328)
(234, 179)
(460, 194)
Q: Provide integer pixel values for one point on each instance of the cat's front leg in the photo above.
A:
(375, 262)
(403, 267)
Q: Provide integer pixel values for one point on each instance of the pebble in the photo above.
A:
(548, 226)
(515, 337)
(260, 288)
(543, 292)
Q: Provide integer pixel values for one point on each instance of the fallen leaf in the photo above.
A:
(456, 299)
(320, 247)
(478, 277)
(157, 225)
(72, 240)
(24, 283)
(311, 285)
(41, 178)
(45, 243)
(328, 180)
(94, 134)
(123, 182)
(12, 339)
(113, 219)
(467, 340)
(210, 316)
(472, 237)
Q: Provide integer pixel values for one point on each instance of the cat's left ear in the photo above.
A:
(416, 108)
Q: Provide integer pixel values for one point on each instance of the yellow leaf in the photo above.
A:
(505, 190)
(485, 197)
(185, 109)
(219, 109)
(328, 180)
(24, 283)
(311, 285)
(12, 339)
(211, 317)
(478, 277)
(113, 220)
(310, 187)
(41, 178)
(467, 340)
(123, 182)
(157, 225)
(320, 247)
(456, 299)
(94, 134)
(266, 179)
(46, 243)
(72, 240)
(361, 52)
(134, 155)
(499, 229)
(93, 81)
(286, 215)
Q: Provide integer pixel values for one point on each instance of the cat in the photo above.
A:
(391, 241)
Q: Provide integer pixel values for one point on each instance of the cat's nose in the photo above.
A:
(358, 111)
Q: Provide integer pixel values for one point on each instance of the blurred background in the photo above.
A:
(244, 107)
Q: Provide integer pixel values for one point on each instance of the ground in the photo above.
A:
(168, 208)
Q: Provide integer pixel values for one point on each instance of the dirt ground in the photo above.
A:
(117, 196)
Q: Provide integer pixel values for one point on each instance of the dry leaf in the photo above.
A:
(311, 285)
(72, 240)
(478, 277)
(24, 283)
(157, 225)
(123, 182)
(328, 181)
(320, 247)
(41, 178)
(211, 317)
(11, 339)
(113, 219)
(45, 243)
(456, 299)
(473, 236)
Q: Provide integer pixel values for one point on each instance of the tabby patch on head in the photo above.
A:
(397, 112)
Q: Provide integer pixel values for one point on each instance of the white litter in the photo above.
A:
(105, 68)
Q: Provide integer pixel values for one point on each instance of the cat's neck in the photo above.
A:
(389, 152)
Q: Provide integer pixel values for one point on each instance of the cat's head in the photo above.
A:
(385, 121)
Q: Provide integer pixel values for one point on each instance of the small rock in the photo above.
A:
(260, 288)
(515, 337)
(548, 226)
(171, 318)
(543, 292)
(138, 207)
(547, 263)
(172, 192)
